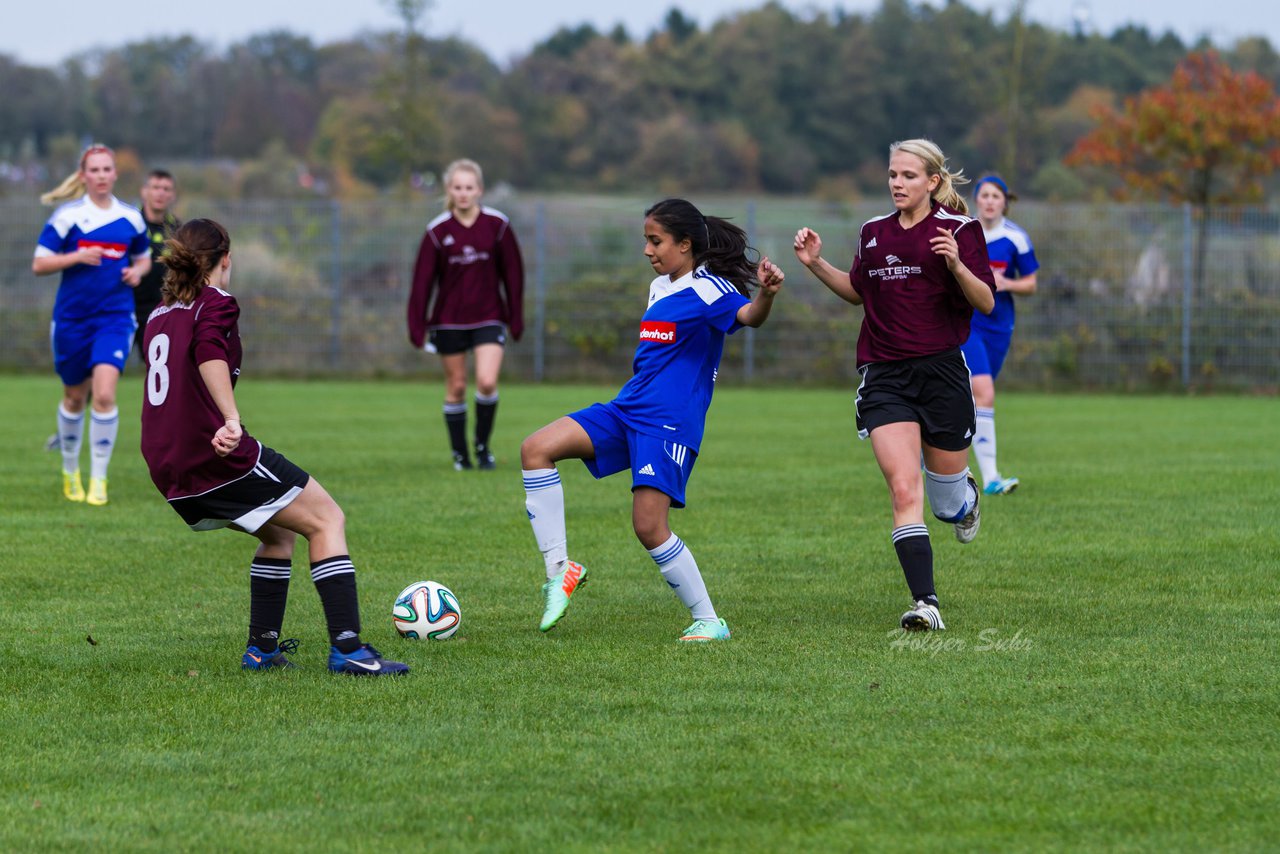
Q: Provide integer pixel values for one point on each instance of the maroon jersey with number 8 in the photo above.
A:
(179, 417)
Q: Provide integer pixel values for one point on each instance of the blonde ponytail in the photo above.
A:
(73, 186)
(935, 163)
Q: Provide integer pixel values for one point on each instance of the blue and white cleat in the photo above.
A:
(256, 659)
(1001, 486)
(365, 661)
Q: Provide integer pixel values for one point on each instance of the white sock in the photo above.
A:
(680, 571)
(70, 432)
(544, 502)
(984, 445)
(950, 496)
(103, 427)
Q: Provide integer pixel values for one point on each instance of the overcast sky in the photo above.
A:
(508, 28)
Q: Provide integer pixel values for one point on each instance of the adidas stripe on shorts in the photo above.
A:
(654, 462)
(248, 502)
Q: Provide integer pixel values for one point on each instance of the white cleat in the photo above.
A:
(924, 617)
(967, 528)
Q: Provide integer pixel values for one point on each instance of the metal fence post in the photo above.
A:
(540, 292)
(335, 310)
(1187, 238)
(749, 346)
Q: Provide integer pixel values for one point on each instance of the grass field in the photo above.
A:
(1107, 680)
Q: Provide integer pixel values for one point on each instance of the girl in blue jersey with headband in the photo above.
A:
(1014, 265)
(654, 426)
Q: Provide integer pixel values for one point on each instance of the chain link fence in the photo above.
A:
(323, 287)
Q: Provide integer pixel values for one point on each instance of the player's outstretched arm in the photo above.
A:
(756, 312)
(808, 248)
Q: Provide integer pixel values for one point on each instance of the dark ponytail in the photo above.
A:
(190, 256)
(718, 244)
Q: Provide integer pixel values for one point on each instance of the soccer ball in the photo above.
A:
(426, 609)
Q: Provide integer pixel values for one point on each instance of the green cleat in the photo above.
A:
(557, 592)
(705, 630)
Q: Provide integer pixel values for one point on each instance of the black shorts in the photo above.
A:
(249, 502)
(932, 391)
(446, 342)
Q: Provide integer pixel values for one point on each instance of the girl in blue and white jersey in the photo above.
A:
(99, 245)
(655, 424)
(1014, 265)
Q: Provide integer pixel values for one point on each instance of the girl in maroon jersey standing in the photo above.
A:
(468, 292)
(215, 475)
(919, 273)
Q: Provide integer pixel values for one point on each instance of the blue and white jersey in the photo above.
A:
(88, 291)
(1011, 253)
(681, 341)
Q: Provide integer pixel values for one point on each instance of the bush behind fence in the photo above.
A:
(323, 287)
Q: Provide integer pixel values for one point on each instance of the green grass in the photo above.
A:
(1107, 680)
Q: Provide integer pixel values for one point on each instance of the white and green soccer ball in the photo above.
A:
(426, 609)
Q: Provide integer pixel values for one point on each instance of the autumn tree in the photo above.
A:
(1209, 136)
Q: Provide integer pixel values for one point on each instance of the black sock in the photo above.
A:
(486, 409)
(915, 553)
(455, 418)
(268, 592)
(335, 579)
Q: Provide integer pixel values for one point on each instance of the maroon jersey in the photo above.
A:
(912, 304)
(179, 417)
(467, 277)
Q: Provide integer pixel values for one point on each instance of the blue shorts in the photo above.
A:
(79, 345)
(985, 350)
(654, 461)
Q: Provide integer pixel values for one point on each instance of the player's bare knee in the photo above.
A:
(535, 452)
(276, 541)
(332, 518)
(650, 532)
(74, 400)
(904, 493)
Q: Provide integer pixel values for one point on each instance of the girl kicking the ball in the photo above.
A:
(654, 426)
(215, 475)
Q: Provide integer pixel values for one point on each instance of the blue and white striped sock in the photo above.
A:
(70, 433)
(544, 502)
(984, 444)
(680, 571)
(103, 428)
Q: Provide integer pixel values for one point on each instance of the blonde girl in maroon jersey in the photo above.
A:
(919, 273)
(467, 294)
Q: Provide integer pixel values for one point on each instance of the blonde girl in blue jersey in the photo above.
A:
(655, 424)
(99, 246)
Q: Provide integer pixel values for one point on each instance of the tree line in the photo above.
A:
(763, 101)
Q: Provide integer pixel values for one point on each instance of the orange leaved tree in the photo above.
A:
(1208, 137)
